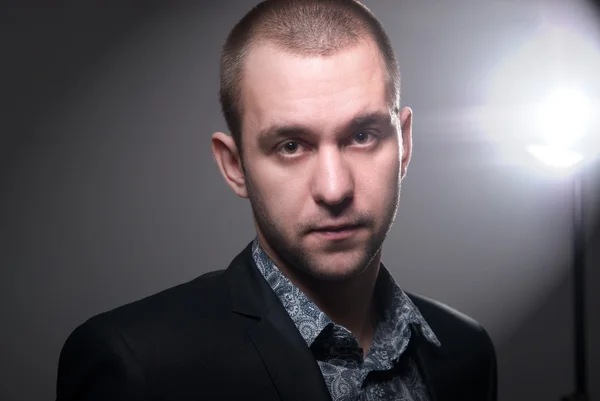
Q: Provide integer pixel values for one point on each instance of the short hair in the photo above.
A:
(303, 27)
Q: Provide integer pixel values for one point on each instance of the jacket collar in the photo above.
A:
(246, 288)
(429, 358)
(273, 333)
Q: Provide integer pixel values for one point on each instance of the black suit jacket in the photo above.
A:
(226, 336)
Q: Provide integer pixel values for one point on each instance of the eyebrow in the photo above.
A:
(282, 131)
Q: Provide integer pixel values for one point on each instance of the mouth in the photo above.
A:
(336, 233)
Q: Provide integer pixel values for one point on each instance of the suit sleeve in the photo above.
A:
(97, 364)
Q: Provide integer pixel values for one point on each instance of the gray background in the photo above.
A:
(109, 192)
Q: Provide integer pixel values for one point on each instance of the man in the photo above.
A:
(319, 146)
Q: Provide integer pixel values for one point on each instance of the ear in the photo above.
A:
(227, 157)
(405, 116)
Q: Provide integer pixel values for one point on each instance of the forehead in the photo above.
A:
(319, 91)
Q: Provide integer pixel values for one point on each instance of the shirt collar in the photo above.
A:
(398, 310)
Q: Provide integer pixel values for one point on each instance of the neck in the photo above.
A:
(349, 302)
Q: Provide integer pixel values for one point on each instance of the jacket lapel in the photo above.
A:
(427, 357)
(289, 361)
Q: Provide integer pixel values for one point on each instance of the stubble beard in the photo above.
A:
(295, 256)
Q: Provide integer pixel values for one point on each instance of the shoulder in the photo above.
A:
(199, 296)
(457, 332)
(168, 315)
(466, 355)
(124, 346)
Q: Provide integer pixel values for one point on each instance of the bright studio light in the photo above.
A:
(562, 121)
(555, 156)
(563, 118)
(542, 101)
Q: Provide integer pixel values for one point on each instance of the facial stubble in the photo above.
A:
(295, 256)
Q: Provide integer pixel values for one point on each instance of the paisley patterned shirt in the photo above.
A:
(384, 374)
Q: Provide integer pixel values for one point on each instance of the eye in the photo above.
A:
(290, 147)
(363, 137)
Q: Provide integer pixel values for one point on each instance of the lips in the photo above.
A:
(336, 228)
(337, 233)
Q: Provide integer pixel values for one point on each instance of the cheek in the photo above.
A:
(280, 194)
(381, 175)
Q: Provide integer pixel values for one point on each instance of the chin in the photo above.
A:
(333, 275)
(338, 267)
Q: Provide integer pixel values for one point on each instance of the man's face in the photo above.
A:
(322, 148)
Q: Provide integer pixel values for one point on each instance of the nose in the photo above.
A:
(333, 183)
